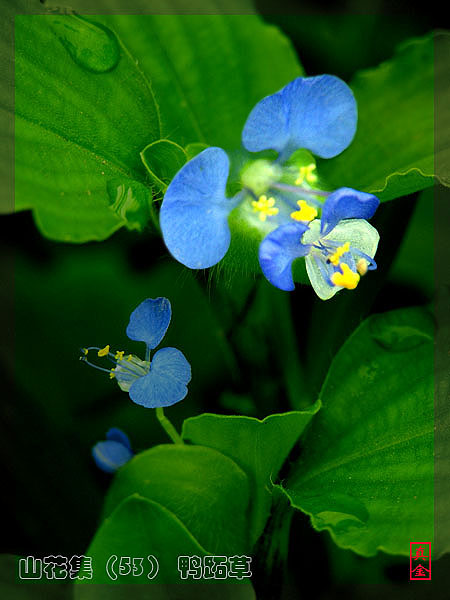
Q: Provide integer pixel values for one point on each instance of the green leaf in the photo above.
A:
(84, 111)
(139, 527)
(393, 151)
(206, 490)
(163, 159)
(366, 472)
(258, 447)
(208, 71)
(194, 149)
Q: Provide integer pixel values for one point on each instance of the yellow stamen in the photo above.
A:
(265, 206)
(306, 212)
(361, 266)
(334, 258)
(306, 173)
(112, 374)
(119, 355)
(347, 278)
(129, 357)
(85, 351)
(104, 351)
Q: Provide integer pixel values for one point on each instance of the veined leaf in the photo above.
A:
(366, 472)
(84, 111)
(208, 71)
(258, 447)
(206, 490)
(393, 151)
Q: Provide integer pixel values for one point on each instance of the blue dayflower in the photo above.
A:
(153, 383)
(317, 114)
(338, 248)
(111, 454)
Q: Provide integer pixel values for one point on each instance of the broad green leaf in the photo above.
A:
(84, 111)
(139, 527)
(258, 447)
(366, 471)
(207, 71)
(163, 159)
(206, 490)
(393, 151)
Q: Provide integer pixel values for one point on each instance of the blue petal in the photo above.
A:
(316, 113)
(346, 203)
(278, 250)
(194, 212)
(149, 321)
(117, 435)
(165, 384)
(110, 455)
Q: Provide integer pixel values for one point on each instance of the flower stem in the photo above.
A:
(167, 426)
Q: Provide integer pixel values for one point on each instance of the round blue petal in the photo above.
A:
(346, 203)
(316, 113)
(278, 250)
(110, 455)
(117, 435)
(165, 383)
(149, 321)
(194, 212)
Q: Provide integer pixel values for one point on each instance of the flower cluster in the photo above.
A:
(153, 383)
(281, 199)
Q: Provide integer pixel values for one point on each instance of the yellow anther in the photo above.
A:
(129, 357)
(334, 258)
(119, 355)
(306, 212)
(265, 206)
(306, 173)
(112, 374)
(104, 351)
(85, 351)
(361, 266)
(347, 278)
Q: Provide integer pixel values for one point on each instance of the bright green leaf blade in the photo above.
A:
(84, 111)
(393, 151)
(258, 447)
(366, 472)
(163, 159)
(208, 71)
(206, 490)
(139, 528)
(136, 528)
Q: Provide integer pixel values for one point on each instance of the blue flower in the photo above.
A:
(316, 114)
(153, 383)
(338, 248)
(114, 452)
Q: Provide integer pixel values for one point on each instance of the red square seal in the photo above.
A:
(420, 561)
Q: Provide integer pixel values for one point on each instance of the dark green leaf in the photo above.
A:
(393, 151)
(206, 490)
(258, 447)
(366, 473)
(139, 527)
